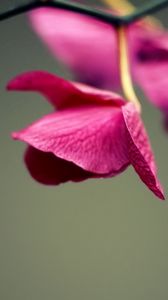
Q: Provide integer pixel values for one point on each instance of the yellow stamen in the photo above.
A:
(126, 81)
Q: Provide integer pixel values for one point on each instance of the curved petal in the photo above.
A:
(62, 93)
(140, 152)
(48, 169)
(87, 46)
(93, 138)
(150, 65)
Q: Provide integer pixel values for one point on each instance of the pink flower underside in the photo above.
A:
(150, 64)
(150, 67)
(61, 93)
(140, 153)
(49, 169)
(100, 139)
(89, 137)
(89, 48)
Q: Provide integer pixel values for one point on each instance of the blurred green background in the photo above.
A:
(96, 240)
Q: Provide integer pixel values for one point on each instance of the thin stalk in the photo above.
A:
(71, 6)
(109, 18)
(148, 9)
(125, 7)
(126, 80)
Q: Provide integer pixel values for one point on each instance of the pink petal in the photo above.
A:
(60, 92)
(150, 64)
(48, 169)
(93, 138)
(154, 84)
(140, 153)
(87, 46)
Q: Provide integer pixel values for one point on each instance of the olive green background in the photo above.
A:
(96, 240)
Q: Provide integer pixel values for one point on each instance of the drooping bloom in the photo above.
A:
(93, 133)
(90, 48)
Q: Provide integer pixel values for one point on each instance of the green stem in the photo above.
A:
(71, 6)
(109, 18)
(147, 9)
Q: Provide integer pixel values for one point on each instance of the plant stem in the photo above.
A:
(125, 75)
(148, 9)
(124, 7)
(71, 6)
(109, 18)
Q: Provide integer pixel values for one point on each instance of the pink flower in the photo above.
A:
(93, 133)
(89, 48)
